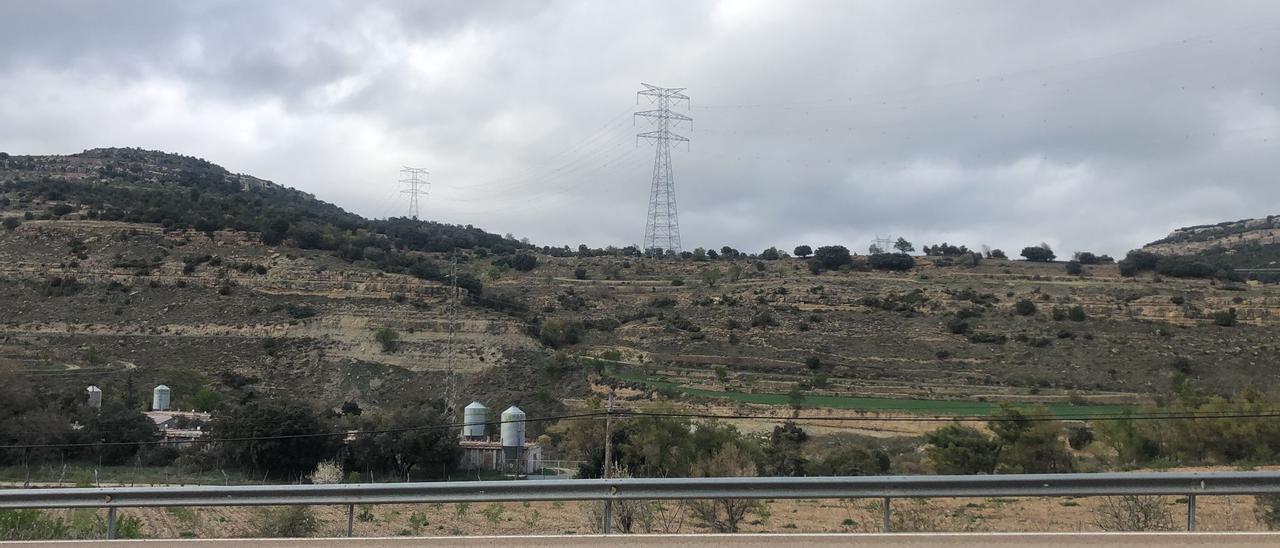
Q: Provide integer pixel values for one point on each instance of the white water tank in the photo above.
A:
(160, 398)
(95, 397)
(513, 427)
(473, 418)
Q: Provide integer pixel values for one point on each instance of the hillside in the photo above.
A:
(121, 264)
(125, 266)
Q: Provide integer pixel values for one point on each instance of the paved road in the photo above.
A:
(1008, 540)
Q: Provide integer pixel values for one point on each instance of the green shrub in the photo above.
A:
(988, 338)
(1077, 314)
(1079, 437)
(287, 522)
(387, 338)
(1025, 307)
(891, 261)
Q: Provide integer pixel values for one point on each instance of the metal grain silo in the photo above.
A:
(513, 427)
(160, 398)
(95, 397)
(512, 438)
(473, 418)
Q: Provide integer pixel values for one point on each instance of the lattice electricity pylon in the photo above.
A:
(881, 245)
(662, 230)
(414, 179)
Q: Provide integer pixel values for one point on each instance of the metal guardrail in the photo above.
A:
(886, 488)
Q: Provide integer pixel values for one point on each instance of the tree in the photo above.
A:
(1085, 257)
(1029, 447)
(118, 428)
(997, 254)
(833, 257)
(287, 443)
(351, 409)
(580, 273)
(1077, 314)
(656, 447)
(1025, 307)
(903, 246)
(403, 445)
(1074, 268)
(711, 276)
(849, 461)
(891, 261)
(795, 397)
(771, 254)
(725, 515)
(206, 400)
(802, 251)
(524, 262)
(699, 254)
(782, 453)
(735, 272)
(1040, 253)
(956, 449)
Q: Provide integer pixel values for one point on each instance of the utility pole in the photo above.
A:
(451, 378)
(662, 230)
(607, 526)
(414, 179)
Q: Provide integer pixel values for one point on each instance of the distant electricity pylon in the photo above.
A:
(414, 179)
(881, 245)
(662, 231)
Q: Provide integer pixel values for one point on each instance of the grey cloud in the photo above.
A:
(1091, 125)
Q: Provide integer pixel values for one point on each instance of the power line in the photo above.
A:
(296, 436)
(598, 415)
(981, 418)
(662, 230)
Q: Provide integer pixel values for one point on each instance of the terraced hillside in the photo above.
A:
(932, 332)
(119, 265)
(109, 302)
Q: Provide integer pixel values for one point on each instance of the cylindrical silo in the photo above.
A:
(473, 418)
(160, 398)
(513, 427)
(512, 440)
(95, 397)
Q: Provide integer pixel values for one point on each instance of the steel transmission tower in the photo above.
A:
(414, 180)
(662, 231)
(885, 245)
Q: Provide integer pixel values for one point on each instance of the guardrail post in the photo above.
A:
(1191, 512)
(351, 518)
(111, 523)
(607, 526)
(884, 508)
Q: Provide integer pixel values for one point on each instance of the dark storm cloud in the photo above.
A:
(1090, 125)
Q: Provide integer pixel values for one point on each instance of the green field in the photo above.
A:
(939, 407)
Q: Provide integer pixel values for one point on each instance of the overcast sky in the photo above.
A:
(1091, 125)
